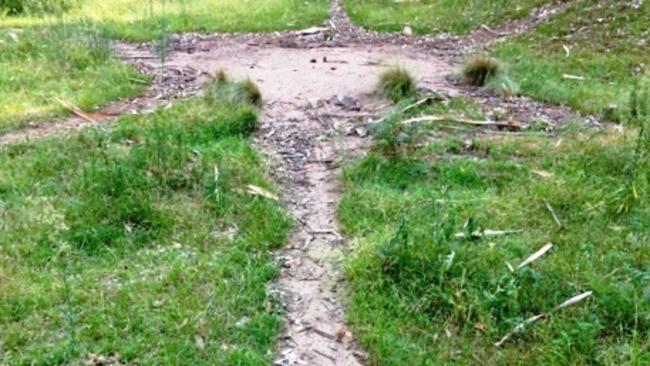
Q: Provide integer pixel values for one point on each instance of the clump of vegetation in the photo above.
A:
(432, 284)
(246, 91)
(253, 93)
(479, 70)
(396, 83)
(139, 242)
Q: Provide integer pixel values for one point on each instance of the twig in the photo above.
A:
(459, 120)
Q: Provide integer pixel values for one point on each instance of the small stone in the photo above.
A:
(407, 31)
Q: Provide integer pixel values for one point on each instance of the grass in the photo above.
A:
(437, 16)
(421, 295)
(141, 242)
(67, 55)
(73, 63)
(143, 20)
(479, 70)
(607, 46)
(396, 83)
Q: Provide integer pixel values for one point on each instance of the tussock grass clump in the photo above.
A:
(478, 70)
(242, 92)
(396, 83)
(220, 76)
(253, 93)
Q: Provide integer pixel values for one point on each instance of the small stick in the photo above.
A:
(459, 120)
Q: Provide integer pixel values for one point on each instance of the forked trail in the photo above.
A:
(318, 87)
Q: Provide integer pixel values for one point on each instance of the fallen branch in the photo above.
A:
(460, 120)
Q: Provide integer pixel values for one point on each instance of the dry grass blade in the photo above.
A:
(552, 211)
(574, 300)
(258, 191)
(535, 256)
(76, 111)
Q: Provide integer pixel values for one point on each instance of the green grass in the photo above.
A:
(140, 241)
(608, 46)
(396, 84)
(144, 20)
(422, 296)
(72, 63)
(437, 16)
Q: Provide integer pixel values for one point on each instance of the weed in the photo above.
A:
(396, 83)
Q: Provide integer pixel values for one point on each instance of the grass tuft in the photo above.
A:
(243, 92)
(396, 83)
(220, 76)
(253, 93)
(478, 70)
